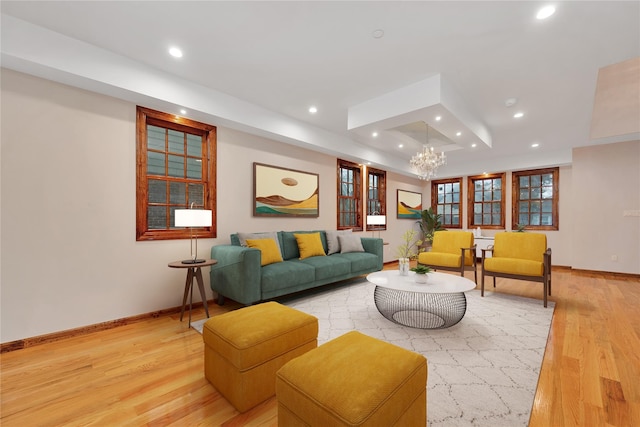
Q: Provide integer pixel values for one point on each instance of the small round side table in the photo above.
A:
(194, 270)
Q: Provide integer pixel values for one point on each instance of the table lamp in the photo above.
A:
(376, 220)
(193, 218)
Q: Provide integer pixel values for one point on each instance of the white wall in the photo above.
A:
(606, 183)
(559, 241)
(68, 252)
(235, 186)
(237, 151)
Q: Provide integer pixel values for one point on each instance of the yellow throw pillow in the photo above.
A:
(309, 245)
(268, 248)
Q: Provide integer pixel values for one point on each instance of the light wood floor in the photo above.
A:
(150, 372)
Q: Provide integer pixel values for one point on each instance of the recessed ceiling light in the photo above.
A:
(400, 145)
(535, 145)
(313, 109)
(518, 115)
(183, 111)
(378, 34)
(438, 118)
(175, 52)
(369, 163)
(374, 134)
(510, 102)
(546, 12)
(474, 145)
(458, 133)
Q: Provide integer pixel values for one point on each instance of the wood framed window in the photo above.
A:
(446, 196)
(486, 201)
(535, 199)
(349, 195)
(376, 195)
(175, 169)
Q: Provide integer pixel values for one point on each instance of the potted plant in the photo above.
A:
(421, 271)
(429, 223)
(407, 250)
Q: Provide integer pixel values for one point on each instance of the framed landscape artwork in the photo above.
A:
(281, 192)
(409, 205)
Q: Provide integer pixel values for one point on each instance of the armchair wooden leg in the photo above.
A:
(494, 281)
(545, 290)
(549, 280)
(482, 284)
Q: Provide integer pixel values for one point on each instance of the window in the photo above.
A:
(535, 195)
(446, 196)
(349, 195)
(176, 169)
(376, 195)
(486, 195)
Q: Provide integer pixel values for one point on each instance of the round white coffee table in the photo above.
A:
(439, 303)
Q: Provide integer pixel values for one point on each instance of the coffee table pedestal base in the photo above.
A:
(421, 310)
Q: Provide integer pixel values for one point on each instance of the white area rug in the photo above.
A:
(197, 325)
(481, 372)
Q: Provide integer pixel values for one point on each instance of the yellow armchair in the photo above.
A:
(522, 256)
(451, 250)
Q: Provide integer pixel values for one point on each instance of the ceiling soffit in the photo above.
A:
(397, 115)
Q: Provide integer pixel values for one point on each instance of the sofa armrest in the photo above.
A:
(374, 245)
(237, 273)
(484, 250)
(472, 252)
(547, 261)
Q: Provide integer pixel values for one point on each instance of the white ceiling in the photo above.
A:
(258, 66)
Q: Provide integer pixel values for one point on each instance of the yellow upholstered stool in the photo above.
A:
(245, 348)
(353, 380)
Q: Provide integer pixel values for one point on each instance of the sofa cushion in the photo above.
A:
(242, 238)
(309, 245)
(517, 266)
(333, 244)
(269, 250)
(290, 244)
(529, 246)
(292, 272)
(329, 266)
(439, 259)
(350, 243)
(360, 261)
(450, 242)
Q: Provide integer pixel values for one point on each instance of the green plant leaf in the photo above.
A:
(421, 269)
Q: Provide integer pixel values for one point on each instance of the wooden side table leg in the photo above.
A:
(201, 287)
(187, 286)
(190, 294)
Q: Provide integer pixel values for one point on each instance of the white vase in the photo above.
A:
(422, 278)
(403, 266)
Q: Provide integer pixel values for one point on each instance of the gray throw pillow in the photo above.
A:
(333, 244)
(350, 243)
(242, 237)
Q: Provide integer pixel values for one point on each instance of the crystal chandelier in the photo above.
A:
(426, 163)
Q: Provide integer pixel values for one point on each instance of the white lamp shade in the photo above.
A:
(376, 219)
(193, 218)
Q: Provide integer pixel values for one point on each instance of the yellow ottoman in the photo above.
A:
(245, 348)
(353, 380)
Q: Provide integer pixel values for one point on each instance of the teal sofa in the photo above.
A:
(239, 276)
